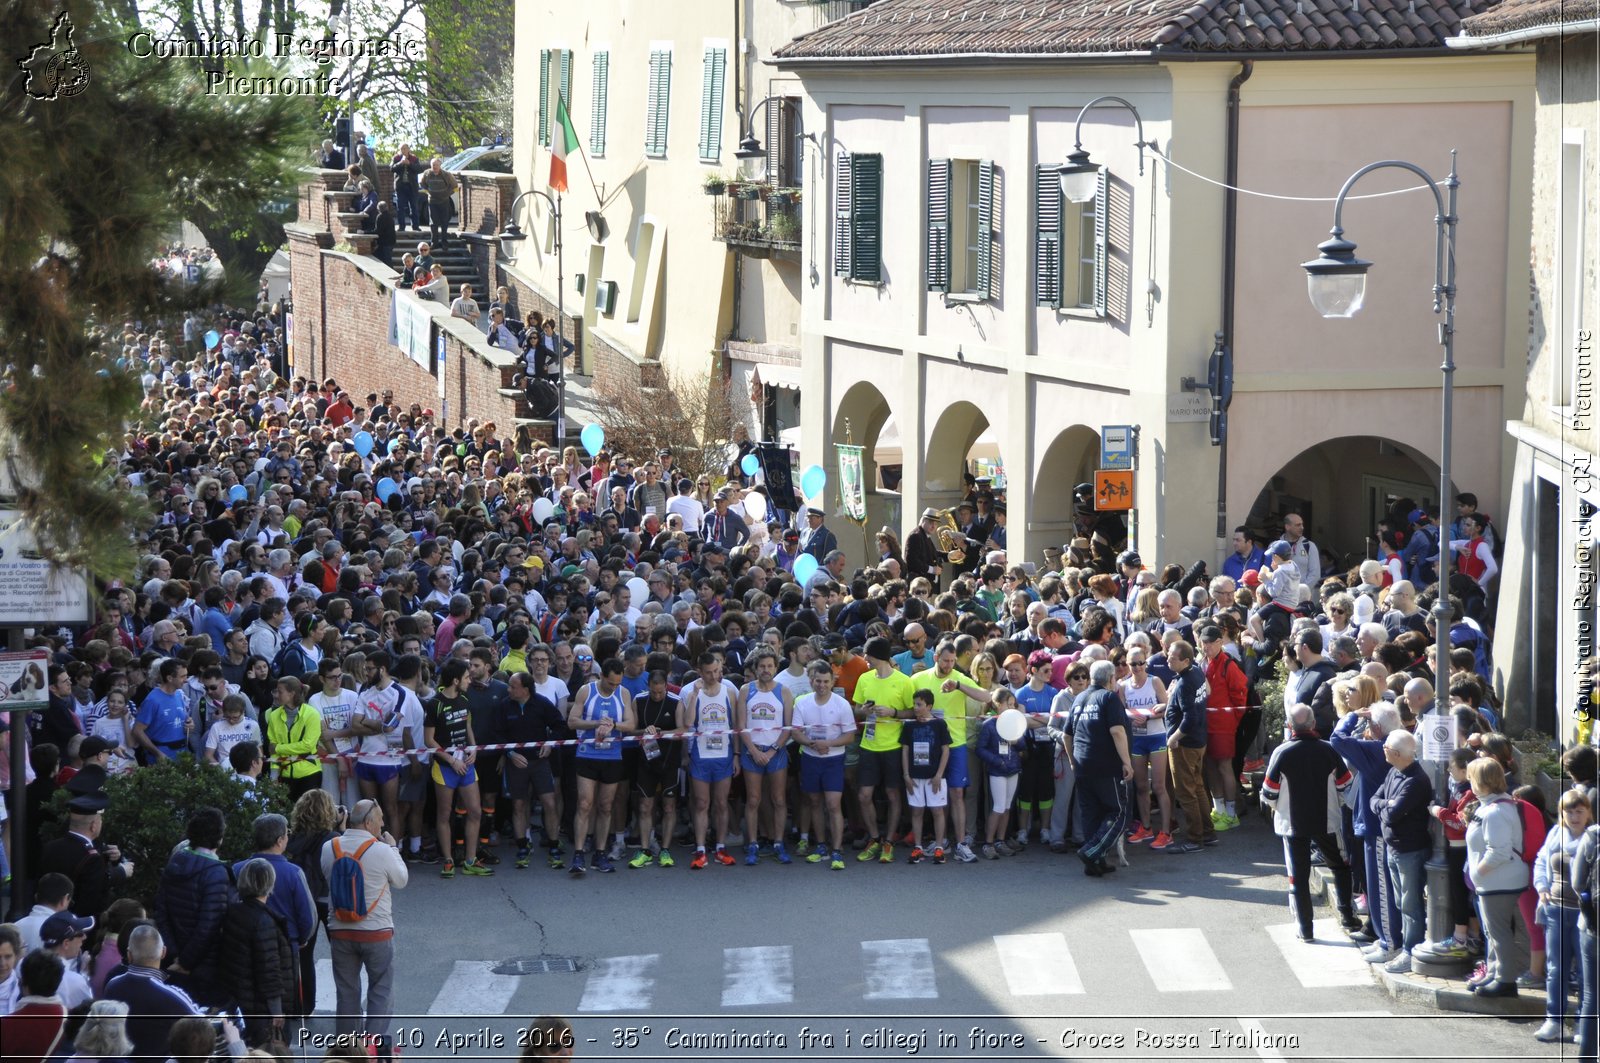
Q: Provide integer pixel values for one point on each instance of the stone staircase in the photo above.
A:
(459, 265)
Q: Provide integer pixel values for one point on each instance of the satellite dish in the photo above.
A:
(596, 222)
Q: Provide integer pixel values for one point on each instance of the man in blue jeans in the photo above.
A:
(1401, 805)
(1358, 738)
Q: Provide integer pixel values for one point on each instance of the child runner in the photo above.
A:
(924, 757)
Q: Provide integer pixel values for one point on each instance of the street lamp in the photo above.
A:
(749, 144)
(1079, 177)
(510, 236)
(1337, 282)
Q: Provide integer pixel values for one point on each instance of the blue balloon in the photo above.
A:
(812, 481)
(805, 566)
(750, 464)
(213, 339)
(394, 444)
(238, 493)
(386, 488)
(593, 438)
(363, 443)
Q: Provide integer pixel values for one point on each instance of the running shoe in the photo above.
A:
(476, 867)
(522, 855)
(664, 858)
(699, 861)
(1212, 840)
(448, 870)
(619, 849)
(1140, 834)
(938, 854)
(487, 856)
(642, 858)
(558, 858)
(1254, 764)
(1004, 848)
(1182, 847)
(602, 862)
(803, 847)
(1222, 821)
(965, 854)
(428, 855)
(781, 853)
(722, 857)
(910, 839)
(838, 861)
(1161, 840)
(818, 856)
(576, 867)
(1019, 843)
(990, 852)
(887, 855)
(916, 856)
(870, 852)
(752, 854)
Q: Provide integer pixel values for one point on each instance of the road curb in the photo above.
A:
(1445, 994)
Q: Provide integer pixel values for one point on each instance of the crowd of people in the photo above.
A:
(466, 655)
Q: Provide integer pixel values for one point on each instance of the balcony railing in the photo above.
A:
(758, 219)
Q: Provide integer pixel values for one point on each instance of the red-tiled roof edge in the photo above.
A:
(1512, 21)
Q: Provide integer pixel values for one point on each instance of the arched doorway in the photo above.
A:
(1070, 459)
(859, 418)
(961, 443)
(1343, 488)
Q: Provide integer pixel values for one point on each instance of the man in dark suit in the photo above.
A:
(94, 870)
(817, 540)
(332, 158)
(922, 549)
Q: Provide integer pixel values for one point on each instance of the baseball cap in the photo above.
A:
(1251, 578)
(1417, 516)
(64, 925)
(834, 641)
(1280, 548)
(93, 746)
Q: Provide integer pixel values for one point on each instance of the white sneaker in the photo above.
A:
(965, 854)
(618, 850)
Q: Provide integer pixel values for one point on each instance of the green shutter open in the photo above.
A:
(544, 96)
(938, 225)
(1047, 209)
(1102, 213)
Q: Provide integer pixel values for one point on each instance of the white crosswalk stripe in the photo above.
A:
(1037, 965)
(621, 983)
(474, 989)
(763, 974)
(327, 994)
(1329, 960)
(1180, 960)
(899, 969)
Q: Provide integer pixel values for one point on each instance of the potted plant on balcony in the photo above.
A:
(783, 197)
(715, 184)
(783, 229)
(746, 190)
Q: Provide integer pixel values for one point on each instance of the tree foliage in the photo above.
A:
(692, 416)
(92, 185)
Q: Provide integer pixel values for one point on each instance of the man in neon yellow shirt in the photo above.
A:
(882, 700)
(951, 688)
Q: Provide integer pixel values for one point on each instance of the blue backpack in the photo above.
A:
(1464, 634)
(347, 884)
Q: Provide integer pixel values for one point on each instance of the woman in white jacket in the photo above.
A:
(1499, 875)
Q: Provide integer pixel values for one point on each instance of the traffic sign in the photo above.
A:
(1117, 443)
(1113, 489)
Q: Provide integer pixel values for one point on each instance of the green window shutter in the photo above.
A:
(938, 225)
(1046, 237)
(985, 227)
(544, 95)
(714, 69)
(597, 116)
(841, 215)
(1102, 211)
(660, 98)
(777, 143)
(866, 218)
(566, 78)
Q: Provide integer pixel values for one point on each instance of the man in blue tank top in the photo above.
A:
(601, 714)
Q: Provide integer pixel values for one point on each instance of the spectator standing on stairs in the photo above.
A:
(406, 168)
(440, 186)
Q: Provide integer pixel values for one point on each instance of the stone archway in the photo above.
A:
(1342, 488)
(1070, 459)
(959, 437)
(865, 410)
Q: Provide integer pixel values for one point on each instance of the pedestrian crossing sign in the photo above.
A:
(1113, 489)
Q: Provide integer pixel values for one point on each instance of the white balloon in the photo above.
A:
(638, 590)
(456, 549)
(543, 509)
(261, 463)
(755, 506)
(1011, 725)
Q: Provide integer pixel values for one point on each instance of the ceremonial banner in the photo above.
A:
(409, 328)
(852, 485)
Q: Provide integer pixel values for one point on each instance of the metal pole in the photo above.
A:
(1439, 923)
(561, 340)
(18, 823)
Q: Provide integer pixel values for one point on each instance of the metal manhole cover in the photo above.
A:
(538, 965)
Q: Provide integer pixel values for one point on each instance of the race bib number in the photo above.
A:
(817, 732)
(1005, 749)
(921, 754)
(713, 745)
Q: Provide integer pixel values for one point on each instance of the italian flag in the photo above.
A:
(563, 140)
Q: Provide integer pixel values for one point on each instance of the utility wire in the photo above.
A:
(1273, 195)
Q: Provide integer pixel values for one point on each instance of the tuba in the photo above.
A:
(952, 543)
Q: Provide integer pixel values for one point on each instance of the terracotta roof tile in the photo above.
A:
(1511, 15)
(913, 28)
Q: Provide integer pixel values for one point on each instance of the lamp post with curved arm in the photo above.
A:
(749, 144)
(1078, 175)
(1337, 281)
(512, 234)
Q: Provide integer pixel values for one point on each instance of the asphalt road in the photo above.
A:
(1173, 957)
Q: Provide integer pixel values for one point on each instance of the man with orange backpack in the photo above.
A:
(362, 866)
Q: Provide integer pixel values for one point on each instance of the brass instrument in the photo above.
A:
(952, 542)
